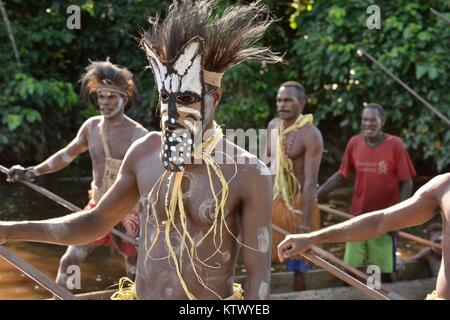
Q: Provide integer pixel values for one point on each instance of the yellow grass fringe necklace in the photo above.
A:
(286, 185)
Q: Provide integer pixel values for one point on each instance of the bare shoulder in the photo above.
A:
(88, 126)
(274, 123)
(311, 133)
(311, 138)
(90, 123)
(436, 187)
(144, 147)
(150, 141)
(139, 129)
(250, 168)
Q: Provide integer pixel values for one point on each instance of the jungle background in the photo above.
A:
(41, 111)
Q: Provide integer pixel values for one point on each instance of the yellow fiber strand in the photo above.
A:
(127, 290)
(160, 180)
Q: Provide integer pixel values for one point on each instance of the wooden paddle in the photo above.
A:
(400, 233)
(440, 15)
(338, 273)
(66, 204)
(361, 52)
(36, 275)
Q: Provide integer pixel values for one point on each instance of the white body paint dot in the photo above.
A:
(263, 290)
(263, 239)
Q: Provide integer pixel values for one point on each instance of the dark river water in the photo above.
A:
(104, 267)
(17, 202)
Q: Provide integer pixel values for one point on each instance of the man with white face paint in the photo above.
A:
(384, 173)
(107, 138)
(201, 210)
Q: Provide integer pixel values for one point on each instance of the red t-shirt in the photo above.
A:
(379, 171)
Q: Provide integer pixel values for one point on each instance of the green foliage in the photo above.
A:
(23, 106)
(40, 109)
(412, 43)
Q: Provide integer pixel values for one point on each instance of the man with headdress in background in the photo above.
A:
(107, 138)
(296, 157)
(202, 206)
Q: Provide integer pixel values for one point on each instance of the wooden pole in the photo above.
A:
(67, 204)
(353, 270)
(42, 279)
(370, 292)
(400, 233)
(404, 85)
(9, 32)
(440, 15)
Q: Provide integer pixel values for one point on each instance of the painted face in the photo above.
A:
(371, 122)
(181, 96)
(110, 103)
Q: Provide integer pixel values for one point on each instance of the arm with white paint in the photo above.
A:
(84, 226)
(65, 156)
(256, 231)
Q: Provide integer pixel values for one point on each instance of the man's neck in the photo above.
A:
(208, 131)
(291, 121)
(376, 140)
(115, 121)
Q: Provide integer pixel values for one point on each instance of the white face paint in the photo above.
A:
(117, 109)
(181, 89)
(263, 239)
(263, 291)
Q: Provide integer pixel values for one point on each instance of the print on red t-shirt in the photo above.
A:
(379, 171)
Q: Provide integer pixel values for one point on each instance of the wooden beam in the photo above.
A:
(370, 292)
(42, 279)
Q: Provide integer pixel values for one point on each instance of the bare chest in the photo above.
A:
(116, 143)
(204, 200)
(293, 145)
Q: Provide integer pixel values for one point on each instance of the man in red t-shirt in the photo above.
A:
(384, 173)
